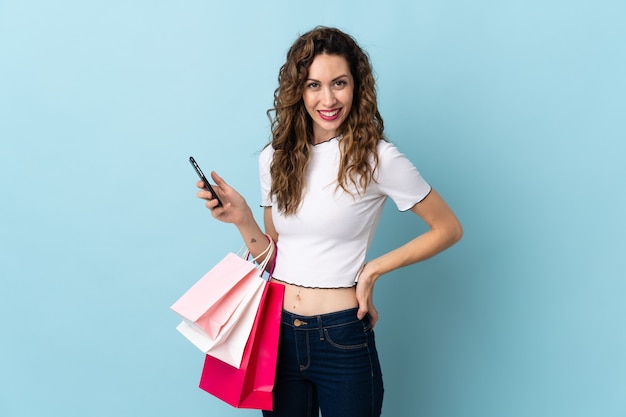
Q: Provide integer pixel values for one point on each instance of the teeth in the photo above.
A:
(329, 113)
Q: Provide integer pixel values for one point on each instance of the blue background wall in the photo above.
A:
(514, 110)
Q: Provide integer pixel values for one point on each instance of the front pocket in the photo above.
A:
(349, 336)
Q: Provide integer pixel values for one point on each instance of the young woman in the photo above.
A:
(325, 177)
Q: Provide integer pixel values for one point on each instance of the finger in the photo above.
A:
(373, 313)
(361, 312)
(205, 195)
(219, 181)
(212, 203)
(373, 320)
(221, 213)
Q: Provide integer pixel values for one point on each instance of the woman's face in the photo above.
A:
(327, 95)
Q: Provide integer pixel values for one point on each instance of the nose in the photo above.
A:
(328, 97)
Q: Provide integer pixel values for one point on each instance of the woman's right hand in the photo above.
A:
(234, 210)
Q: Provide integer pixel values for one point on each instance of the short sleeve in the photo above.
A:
(265, 160)
(398, 178)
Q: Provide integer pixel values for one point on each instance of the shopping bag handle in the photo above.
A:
(269, 252)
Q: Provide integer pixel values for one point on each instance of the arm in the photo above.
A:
(237, 212)
(444, 231)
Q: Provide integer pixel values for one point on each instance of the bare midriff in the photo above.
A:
(314, 301)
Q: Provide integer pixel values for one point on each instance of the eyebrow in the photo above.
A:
(335, 79)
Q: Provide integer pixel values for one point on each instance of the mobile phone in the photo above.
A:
(207, 185)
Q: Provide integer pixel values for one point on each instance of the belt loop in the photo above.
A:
(320, 325)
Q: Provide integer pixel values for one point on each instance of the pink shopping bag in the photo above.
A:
(251, 385)
(230, 343)
(211, 301)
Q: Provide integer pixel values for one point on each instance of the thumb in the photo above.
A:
(362, 310)
(219, 181)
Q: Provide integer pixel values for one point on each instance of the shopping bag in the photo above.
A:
(210, 302)
(218, 311)
(251, 385)
(229, 345)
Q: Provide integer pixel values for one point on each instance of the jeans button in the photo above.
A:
(298, 322)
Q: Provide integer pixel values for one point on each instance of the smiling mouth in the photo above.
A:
(329, 114)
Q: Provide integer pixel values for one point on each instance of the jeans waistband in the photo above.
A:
(320, 321)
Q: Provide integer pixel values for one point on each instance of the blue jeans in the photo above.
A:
(328, 363)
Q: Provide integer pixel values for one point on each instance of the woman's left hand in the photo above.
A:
(365, 296)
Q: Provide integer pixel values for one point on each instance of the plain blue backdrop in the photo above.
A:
(514, 110)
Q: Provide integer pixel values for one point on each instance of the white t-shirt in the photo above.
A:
(324, 245)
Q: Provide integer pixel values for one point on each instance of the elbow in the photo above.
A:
(455, 233)
(458, 233)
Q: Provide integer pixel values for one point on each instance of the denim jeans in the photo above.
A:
(329, 363)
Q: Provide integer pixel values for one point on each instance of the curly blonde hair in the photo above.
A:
(292, 127)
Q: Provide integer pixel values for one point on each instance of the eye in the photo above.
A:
(312, 84)
(341, 83)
